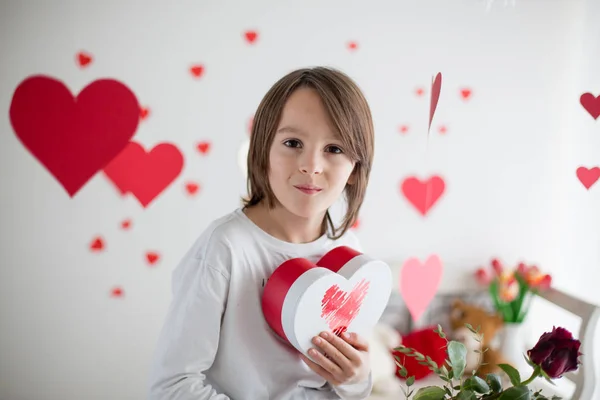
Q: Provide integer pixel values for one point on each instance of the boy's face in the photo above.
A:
(308, 165)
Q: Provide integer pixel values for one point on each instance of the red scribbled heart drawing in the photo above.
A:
(197, 70)
(403, 129)
(73, 137)
(442, 129)
(144, 112)
(97, 244)
(84, 59)
(126, 224)
(436, 87)
(251, 36)
(117, 292)
(339, 308)
(591, 104)
(145, 174)
(419, 91)
(423, 194)
(152, 257)
(192, 188)
(465, 93)
(588, 176)
(352, 45)
(203, 147)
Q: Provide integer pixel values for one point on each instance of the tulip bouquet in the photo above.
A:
(555, 353)
(511, 290)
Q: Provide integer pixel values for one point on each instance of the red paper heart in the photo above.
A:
(591, 104)
(403, 129)
(126, 224)
(356, 224)
(144, 112)
(97, 244)
(423, 194)
(588, 176)
(74, 138)
(152, 257)
(145, 174)
(83, 59)
(197, 70)
(116, 292)
(352, 45)
(192, 188)
(442, 129)
(340, 308)
(420, 91)
(203, 147)
(436, 87)
(465, 93)
(251, 36)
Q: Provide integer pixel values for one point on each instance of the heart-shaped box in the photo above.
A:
(344, 290)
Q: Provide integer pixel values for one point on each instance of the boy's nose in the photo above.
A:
(311, 164)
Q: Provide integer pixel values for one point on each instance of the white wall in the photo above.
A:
(509, 156)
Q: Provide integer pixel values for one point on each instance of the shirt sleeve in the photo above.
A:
(189, 339)
(355, 391)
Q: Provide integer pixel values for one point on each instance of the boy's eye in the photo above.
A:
(292, 143)
(334, 149)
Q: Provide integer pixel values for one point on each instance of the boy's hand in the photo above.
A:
(342, 360)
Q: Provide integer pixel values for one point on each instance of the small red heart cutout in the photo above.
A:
(352, 45)
(116, 292)
(97, 244)
(423, 194)
(84, 59)
(465, 93)
(442, 129)
(251, 36)
(356, 224)
(403, 129)
(152, 257)
(419, 91)
(591, 104)
(203, 147)
(197, 70)
(588, 176)
(144, 112)
(126, 224)
(192, 188)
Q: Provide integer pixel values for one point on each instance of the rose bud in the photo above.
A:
(556, 352)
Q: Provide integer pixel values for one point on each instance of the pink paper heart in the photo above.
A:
(436, 87)
(419, 283)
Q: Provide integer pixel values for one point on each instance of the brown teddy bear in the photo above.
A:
(488, 324)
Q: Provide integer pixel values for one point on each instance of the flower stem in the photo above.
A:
(535, 374)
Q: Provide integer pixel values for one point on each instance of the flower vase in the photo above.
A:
(513, 346)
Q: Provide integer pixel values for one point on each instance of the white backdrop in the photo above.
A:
(508, 155)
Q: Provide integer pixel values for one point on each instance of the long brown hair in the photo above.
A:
(351, 116)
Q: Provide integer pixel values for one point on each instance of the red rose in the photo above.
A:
(556, 352)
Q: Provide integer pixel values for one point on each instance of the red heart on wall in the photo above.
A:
(145, 174)
(344, 290)
(423, 194)
(588, 176)
(250, 36)
(83, 59)
(73, 137)
(591, 104)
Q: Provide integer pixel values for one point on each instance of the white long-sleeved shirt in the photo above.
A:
(215, 342)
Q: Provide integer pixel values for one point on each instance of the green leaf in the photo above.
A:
(430, 393)
(516, 393)
(494, 382)
(513, 374)
(410, 381)
(476, 384)
(466, 395)
(457, 352)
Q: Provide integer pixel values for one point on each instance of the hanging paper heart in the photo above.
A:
(436, 87)
(344, 291)
(423, 194)
(591, 104)
(419, 283)
(73, 137)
